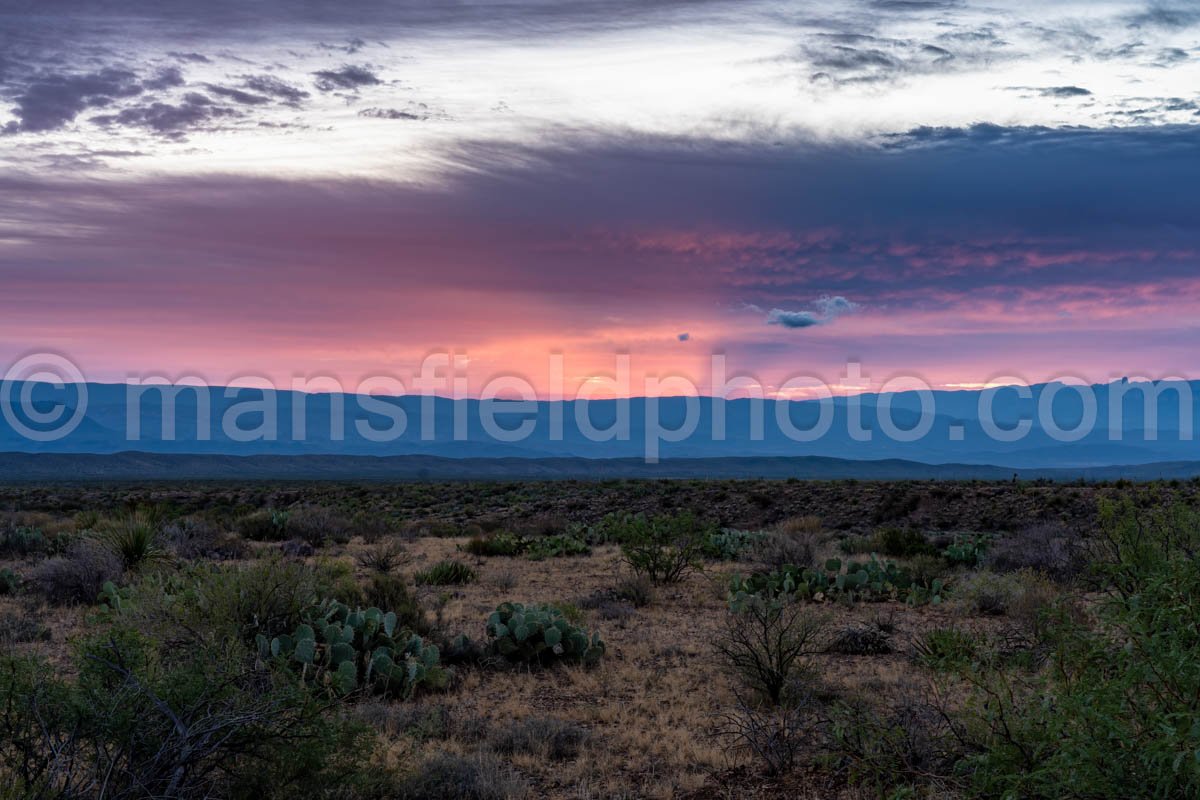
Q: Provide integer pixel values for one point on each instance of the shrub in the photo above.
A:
(341, 651)
(902, 542)
(452, 777)
(384, 558)
(638, 591)
(497, 544)
(768, 645)
(78, 576)
(558, 546)
(1115, 717)
(9, 581)
(389, 591)
(777, 548)
(22, 541)
(186, 723)
(318, 526)
(541, 635)
(194, 538)
(553, 739)
(446, 573)
(729, 545)
(664, 549)
(861, 640)
(267, 525)
(777, 735)
(266, 598)
(946, 649)
(988, 593)
(1043, 548)
(906, 744)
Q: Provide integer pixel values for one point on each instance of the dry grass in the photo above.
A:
(651, 704)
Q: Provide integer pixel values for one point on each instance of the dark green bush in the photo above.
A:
(9, 581)
(187, 723)
(664, 548)
(902, 543)
(267, 525)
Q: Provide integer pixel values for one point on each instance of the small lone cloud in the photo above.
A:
(1065, 91)
(828, 309)
(683, 337)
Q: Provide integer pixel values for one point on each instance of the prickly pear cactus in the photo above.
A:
(537, 634)
(344, 651)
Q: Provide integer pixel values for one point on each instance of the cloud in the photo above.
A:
(274, 87)
(411, 112)
(348, 77)
(828, 309)
(1064, 91)
(237, 95)
(173, 120)
(166, 78)
(683, 337)
(52, 101)
(793, 319)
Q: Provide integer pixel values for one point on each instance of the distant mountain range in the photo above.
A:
(117, 467)
(1120, 430)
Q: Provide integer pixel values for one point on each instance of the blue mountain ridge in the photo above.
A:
(455, 429)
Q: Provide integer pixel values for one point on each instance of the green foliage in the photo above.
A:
(539, 634)
(729, 545)
(134, 538)
(557, 546)
(967, 550)
(872, 580)
(22, 541)
(902, 542)
(446, 573)
(139, 720)
(268, 525)
(664, 548)
(497, 544)
(1115, 714)
(341, 651)
(390, 591)
(946, 649)
(9, 581)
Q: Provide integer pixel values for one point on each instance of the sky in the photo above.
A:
(953, 190)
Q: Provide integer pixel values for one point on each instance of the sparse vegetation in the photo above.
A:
(956, 641)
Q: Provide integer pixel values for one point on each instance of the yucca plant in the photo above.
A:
(134, 538)
(446, 573)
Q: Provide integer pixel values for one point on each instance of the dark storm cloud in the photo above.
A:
(943, 216)
(348, 77)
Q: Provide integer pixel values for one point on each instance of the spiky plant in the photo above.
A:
(134, 538)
